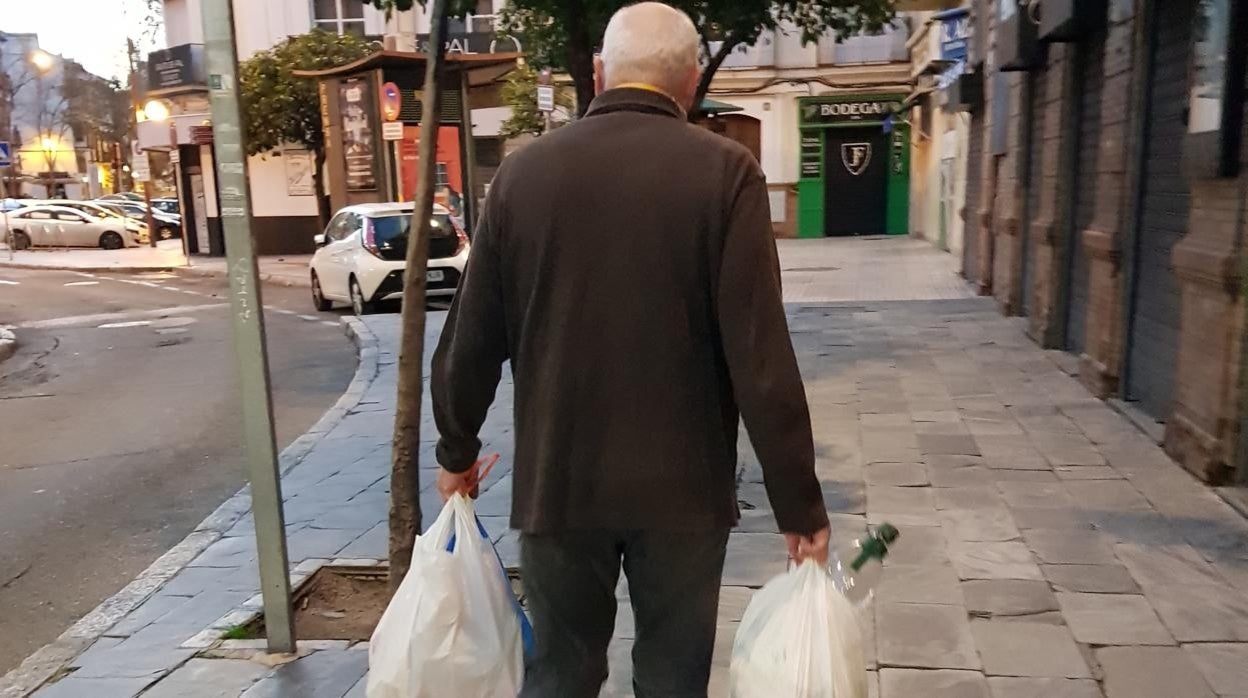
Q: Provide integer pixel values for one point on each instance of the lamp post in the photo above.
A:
(157, 110)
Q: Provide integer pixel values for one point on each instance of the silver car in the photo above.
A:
(61, 226)
(96, 210)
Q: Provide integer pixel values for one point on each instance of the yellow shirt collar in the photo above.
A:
(649, 88)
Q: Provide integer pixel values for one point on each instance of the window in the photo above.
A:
(339, 16)
(69, 217)
(39, 215)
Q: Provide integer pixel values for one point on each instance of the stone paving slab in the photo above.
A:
(1043, 537)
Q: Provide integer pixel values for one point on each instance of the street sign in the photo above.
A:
(174, 156)
(6, 154)
(392, 131)
(141, 168)
(546, 98)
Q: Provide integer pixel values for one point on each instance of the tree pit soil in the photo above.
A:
(338, 603)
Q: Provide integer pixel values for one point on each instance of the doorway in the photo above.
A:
(855, 181)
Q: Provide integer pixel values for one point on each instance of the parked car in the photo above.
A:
(60, 226)
(167, 226)
(123, 196)
(167, 205)
(97, 210)
(361, 256)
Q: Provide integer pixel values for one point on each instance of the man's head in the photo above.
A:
(653, 44)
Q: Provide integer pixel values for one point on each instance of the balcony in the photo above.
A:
(889, 47)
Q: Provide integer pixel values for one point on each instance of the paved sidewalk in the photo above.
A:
(287, 270)
(1048, 548)
(165, 256)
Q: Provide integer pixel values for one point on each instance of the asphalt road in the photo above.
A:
(119, 428)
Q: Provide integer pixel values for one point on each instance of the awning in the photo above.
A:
(481, 67)
(711, 106)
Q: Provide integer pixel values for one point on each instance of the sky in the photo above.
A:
(92, 32)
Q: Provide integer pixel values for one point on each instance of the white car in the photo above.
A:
(60, 226)
(96, 210)
(361, 256)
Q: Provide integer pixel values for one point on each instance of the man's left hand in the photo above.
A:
(467, 483)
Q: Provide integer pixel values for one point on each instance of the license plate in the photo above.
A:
(434, 275)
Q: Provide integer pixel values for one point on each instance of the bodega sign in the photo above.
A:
(848, 111)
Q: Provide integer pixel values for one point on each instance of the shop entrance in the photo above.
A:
(855, 181)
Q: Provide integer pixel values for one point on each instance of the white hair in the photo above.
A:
(650, 43)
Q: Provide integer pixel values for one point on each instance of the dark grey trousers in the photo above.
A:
(570, 584)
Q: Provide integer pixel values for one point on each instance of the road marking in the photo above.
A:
(6, 282)
(283, 311)
(82, 283)
(331, 323)
(119, 325)
(309, 318)
(120, 316)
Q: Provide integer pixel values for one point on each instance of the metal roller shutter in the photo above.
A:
(1154, 330)
(1032, 184)
(1091, 57)
(970, 206)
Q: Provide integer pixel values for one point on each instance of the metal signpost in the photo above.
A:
(545, 96)
(248, 324)
(6, 161)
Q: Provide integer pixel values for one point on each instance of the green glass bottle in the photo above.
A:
(858, 567)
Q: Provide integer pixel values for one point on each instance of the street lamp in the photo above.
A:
(49, 158)
(42, 60)
(159, 110)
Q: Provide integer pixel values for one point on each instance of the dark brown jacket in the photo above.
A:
(624, 264)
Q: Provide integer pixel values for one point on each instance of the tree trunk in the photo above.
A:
(318, 181)
(708, 74)
(580, 57)
(405, 511)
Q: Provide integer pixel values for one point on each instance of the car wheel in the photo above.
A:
(318, 298)
(21, 241)
(358, 303)
(165, 232)
(111, 241)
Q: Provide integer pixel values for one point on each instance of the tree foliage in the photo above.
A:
(520, 93)
(282, 108)
(563, 34)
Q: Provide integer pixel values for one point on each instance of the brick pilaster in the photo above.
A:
(1202, 429)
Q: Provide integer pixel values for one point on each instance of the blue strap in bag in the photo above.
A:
(526, 629)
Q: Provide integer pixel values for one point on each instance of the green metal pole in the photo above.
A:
(247, 319)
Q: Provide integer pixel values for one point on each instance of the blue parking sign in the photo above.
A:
(6, 155)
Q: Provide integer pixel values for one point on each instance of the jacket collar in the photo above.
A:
(635, 99)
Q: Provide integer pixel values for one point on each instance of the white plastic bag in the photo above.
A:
(799, 638)
(452, 629)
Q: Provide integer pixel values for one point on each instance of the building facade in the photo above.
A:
(940, 137)
(284, 203)
(1107, 202)
(817, 116)
(42, 99)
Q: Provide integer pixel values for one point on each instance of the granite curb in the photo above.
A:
(265, 277)
(8, 343)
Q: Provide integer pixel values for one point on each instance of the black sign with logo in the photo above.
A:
(176, 67)
(848, 111)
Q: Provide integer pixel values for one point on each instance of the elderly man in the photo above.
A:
(624, 265)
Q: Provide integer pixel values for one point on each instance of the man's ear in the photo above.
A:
(600, 76)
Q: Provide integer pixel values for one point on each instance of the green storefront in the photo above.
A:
(855, 172)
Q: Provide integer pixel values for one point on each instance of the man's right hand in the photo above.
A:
(814, 546)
